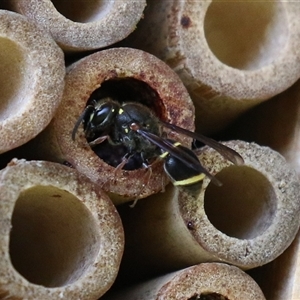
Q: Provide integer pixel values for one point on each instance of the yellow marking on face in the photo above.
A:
(126, 130)
(190, 180)
(121, 111)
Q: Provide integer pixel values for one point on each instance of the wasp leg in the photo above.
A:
(99, 140)
(146, 180)
(125, 159)
(121, 165)
(133, 204)
(148, 173)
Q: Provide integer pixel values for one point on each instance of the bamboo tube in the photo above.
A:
(128, 75)
(83, 25)
(231, 55)
(280, 278)
(32, 74)
(61, 237)
(247, 222)
(203, 281)
(279, 129)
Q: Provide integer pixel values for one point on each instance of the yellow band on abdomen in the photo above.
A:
(190, 180)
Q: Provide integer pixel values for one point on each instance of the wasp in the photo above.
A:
(129, 135)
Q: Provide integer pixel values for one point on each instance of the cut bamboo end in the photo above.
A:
(84, 25)
(204, 281)
(61, 236)
(127, 75)
(251, 219)
(248, 221)
(226, 68)
(32, 74)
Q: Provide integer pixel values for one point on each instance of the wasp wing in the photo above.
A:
(225, 151)
(168, 146)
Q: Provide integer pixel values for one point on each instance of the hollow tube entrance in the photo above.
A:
(53, 238)
(246, 35)
(14, 80)
(244, 206)
(83, 11)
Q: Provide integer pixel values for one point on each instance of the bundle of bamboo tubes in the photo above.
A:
(84, 218)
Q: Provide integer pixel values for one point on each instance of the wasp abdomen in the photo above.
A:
(179, 172)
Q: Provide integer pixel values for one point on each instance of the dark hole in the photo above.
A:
(242, 207)
(82, 11)
(130, 90)
(185, 22)
(210, 296)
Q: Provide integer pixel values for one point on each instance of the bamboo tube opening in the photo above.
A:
(83, 11)
(205, 281)
(54, 237)
(246, 35)
(13, 66)
(83, 25)
(243, 207)
(123, 74)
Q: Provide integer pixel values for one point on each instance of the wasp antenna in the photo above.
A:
(79, 120)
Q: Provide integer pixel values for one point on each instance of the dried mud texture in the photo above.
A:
(60, 235)
(168, 98)
(230, 55)
(248, 221)
(83, 25)
(32, 74)
(207, 281)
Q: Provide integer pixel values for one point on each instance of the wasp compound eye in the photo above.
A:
(103, 117)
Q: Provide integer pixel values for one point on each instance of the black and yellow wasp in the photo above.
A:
(131, 136)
